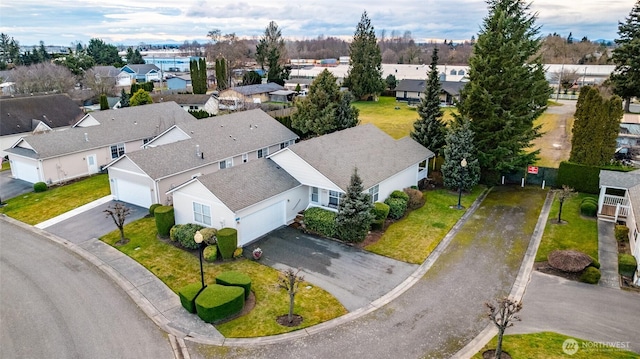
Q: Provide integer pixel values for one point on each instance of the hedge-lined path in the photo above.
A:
(608, 255)
(443, 310)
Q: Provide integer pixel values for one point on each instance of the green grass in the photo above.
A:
(414, 237)
(579, 233)
(177, 268)
(33, 208)
(6, 165)
(396, 123)
(548, 345)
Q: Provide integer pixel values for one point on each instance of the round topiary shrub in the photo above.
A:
(380, 212)
(397, 207)
(236, 279)
(589, 199)
(589, 209)
(210, 253)
(164, 220)
(227, 242)
(594, 263)
(39, 187)
(399, 194)
(153, 207)
(590, 275)
(217, 302)
(627, 265)
(188, 296)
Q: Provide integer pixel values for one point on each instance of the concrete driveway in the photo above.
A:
(10, 187)
(355, 277)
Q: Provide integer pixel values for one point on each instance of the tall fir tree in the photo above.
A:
(429, 130)
(271, 53)
(221, 74)
(365, 74)
(198, 69)
(124, 98)
(507, 90)
(104, 102)
(626, 75)
(354, 213)
(459, 146)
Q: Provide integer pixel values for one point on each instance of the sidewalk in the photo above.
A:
(608, 255)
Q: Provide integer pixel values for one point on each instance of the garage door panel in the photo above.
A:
(134, 193)
(262, 222)
(25, 170)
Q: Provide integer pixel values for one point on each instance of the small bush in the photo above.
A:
(399, 194)
(173, 231)
(209, 235)
(210, 253)
(39, 187)
(622, 233)
(380, 213)
(588, 209)
(184, 235)
(589, 199)
(237, 253)
(320, 221)
(153, 207)
(164, 220)
(627, 265)
(227, 242)
(416, 198)
(590, 275)
(594, 263)
(217, 302)
(188, 295)
(397, 207)
(236, 279)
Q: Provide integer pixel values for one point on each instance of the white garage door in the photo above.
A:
(261, 222)
(25, 170)
(131, 192)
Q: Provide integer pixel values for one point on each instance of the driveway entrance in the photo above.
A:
(354, 276)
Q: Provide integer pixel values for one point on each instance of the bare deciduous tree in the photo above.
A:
(118, 212)
(563, 194)
(290, 281)
(503, 314)
(43, 77)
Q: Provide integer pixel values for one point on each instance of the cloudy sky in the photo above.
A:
(130, 22)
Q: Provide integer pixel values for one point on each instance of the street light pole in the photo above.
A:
(198, 239)
(463, 165)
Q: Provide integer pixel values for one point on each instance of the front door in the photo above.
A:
(92, 164)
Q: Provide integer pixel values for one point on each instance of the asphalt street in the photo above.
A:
(54, 304)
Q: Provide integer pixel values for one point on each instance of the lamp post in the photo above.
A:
(198, 239)
(463, 165)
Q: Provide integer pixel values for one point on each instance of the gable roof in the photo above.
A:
(181, 99)
(237, 187)
(216, 138)
(141, 69)
(257, 89)
(116, 126)
(106, 71)
(619, 179)
(23, 114)
(450, 87)
(376, 155)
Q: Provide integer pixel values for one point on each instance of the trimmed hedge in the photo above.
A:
(188, 296)
(622, 233)
(218, 302)
(589, 209)
(227, 242)
(594, 263)
(39, 187)
(399, 194)
(320, 221)
(153, 207)
(579, 177)
(164, 220)
(627, 265)
(210, 253)
(380, 213)
(397, 207)
(183, 234)
(235, 279)
(590, 275)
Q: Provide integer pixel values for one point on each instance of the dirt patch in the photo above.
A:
(490, 354)
(544, 267)
(283, 320)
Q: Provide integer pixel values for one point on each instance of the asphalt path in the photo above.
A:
(10, 187)
(54, 304)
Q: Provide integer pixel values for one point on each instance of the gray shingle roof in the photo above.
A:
(142, 69)
(22, 114)
(451, 87)
(219, 138)
(619, 179)
(116, 126)
(238, 188)
(182, 99)
(256, 89)
(376, 155)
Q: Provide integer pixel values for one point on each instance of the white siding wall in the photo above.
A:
(173, 135)
(183, 200)
(302, 171)
(297, 200)
(401, 180)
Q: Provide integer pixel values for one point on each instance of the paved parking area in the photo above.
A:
(10, 187)
(354, 276)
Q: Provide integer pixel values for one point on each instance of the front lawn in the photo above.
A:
(414, 237)
(33, 208)
(177, 268)
(579, 233)
(6, 165)
(548, 345)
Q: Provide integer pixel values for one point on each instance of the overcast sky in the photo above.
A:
(130, 22)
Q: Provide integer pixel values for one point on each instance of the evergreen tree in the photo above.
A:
(198, 69)
(103, 54)
(141, 97)
(124, 98)
(9, 51)
(221, 74)
(626, 75)
(354, 213)
(134, 57)
(365, 74)
(459, 145)
(346, 115)
(104, 103)
(251, 78)
(272, 54)
(429, 130)
(507, 89)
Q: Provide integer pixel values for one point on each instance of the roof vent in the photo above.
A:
(135, 122)
(198, 153)
(86, 137)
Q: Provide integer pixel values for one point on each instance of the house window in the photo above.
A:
(147, 140)
(245, 158)
(453, 72)
(284, 144)
(334, 199)
(226, 163)
(315, 197)
(201, 214)
(117, 150)
(263, 152)
(373, 192)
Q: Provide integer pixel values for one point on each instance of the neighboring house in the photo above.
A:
(629, 138)
(181, 82)
(281, 96)
(94, 141)
(412, 91)
(114, 103)
(190, 102)
(619, 201)
(262, 196)
(138, 73)
(21, 116)
(192, 149)
(251, 93)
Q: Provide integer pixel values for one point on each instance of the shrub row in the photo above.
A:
(627, 265)
(320, 221)
(622, 233)
(579, 177)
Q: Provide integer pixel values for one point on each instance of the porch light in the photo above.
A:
(463, 165)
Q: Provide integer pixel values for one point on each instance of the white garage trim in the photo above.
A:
(131, 192)
(261, 222)
(25, 169)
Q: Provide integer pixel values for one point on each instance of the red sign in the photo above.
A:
(532, 170)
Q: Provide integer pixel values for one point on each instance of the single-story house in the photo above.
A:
(92, 142)
(188, 150)
(412, 91)
(26, 115)
(262, 196)
(619, 201)
(251, 93)
(190, 102)
(131, 73)
(180, 82)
